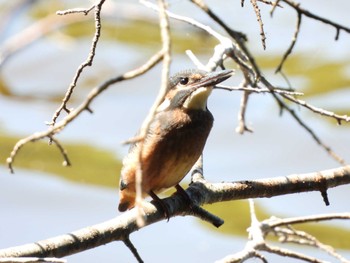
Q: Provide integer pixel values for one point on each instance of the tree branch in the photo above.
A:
(292, 44)
(259, 230)
(200, 192)
(261, 24)
(307, 13)
(86, 63)
(84, 106)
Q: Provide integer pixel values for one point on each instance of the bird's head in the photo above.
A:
(190, 89)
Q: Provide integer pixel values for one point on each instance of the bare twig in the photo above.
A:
(84, 106)
(86, 63)
(274, 7)
(258, 231)
(133, 249)
(316, 138)
(289, 253)
(242, 127)
(190, 21)
(260, 90)
(235, 34)
(240, 54)
(256, 239)
(261, 24)
(287, 234)
(66, 161)
(275, 222)
(292, 44)
(85, 11)
(35, 137)
(338, 118)
(307, 13)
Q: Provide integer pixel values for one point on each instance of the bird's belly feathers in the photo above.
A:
(174, 143)
(173, 148)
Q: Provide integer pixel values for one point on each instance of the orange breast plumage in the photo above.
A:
(174, 143)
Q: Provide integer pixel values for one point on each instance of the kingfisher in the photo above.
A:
(175, 138)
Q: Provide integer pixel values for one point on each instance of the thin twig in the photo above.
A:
(86, 63)
(337, 26)
(188, 20)
(63, 151)
(292, 44)
(235, 34)
(338, 118)
(260, 90)
(261, 24)
(316, 138)
(258, 231)
(240, 53)
(242, 126)
(275, 4)
(289, 253)
(82, 107)
(195, 60)
(290, 235)
(85, 11)
(275, 222)
(133, 249)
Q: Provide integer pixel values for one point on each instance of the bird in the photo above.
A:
(175, 138)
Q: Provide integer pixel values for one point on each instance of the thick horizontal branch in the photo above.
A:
(296, 183)
(200, 191)
(206, 193)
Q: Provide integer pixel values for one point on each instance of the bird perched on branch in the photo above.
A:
(175, 138)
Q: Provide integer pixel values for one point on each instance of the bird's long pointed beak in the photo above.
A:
(201, 89)
(213, 78)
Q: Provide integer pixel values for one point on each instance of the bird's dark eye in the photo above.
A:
(183, 81)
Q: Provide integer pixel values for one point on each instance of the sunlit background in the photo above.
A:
(44, 199)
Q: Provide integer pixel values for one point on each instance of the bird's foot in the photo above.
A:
(184, 194)
(197, 210)
(160, 204)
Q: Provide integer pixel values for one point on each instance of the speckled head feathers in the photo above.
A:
(192, 85)
(194, 74)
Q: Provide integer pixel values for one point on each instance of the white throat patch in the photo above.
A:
(198, 99)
